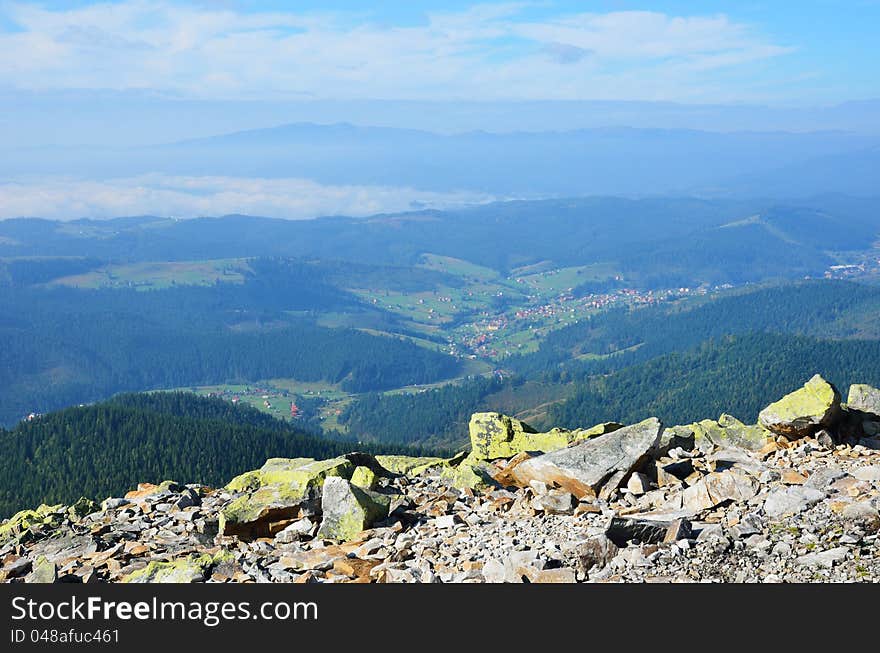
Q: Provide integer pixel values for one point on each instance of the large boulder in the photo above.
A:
(496, 436)
(275, 494)
(729, 432)
(583, 468)
(863, 398)
(348, 509)
(805, 411)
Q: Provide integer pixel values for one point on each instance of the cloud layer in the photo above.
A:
(492, 51)
(188, 197)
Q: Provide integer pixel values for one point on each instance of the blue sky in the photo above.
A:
(781, 53)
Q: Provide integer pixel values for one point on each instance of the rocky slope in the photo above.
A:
(793, 498)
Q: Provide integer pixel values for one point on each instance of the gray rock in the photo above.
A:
(863, 515)
(43, 572)
(791, 500)
(863, 398)
(822, 478)
(823, 559)
(583, 468)
(596, 552)
(348, 509)
(555, 502)
(298, 530)
(870, 473)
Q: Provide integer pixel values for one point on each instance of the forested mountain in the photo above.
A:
(734, 374)
(106, 449)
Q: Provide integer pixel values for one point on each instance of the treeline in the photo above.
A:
(60, 347)
(739, 375)
(436, 417)
(106, 449)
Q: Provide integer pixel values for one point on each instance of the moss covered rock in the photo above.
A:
(364, 477)
(192, 569)
(729, 432)
(494, 436)
(471, 473)
(803, 412)
(275, 493)
(348, 509)
(410, 465)
(21, 521)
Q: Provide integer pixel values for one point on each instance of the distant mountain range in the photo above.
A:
(612, 160)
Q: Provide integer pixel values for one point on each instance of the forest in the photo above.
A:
(106, 449)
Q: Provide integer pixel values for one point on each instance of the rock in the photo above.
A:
(298, 530)
(43, 571)
(445, 521)
(638, 483)
(823, 559)
(671, 472)
(276, 492)
(870, 473)
(824, 477)
(496, 436)
(623, 531)
(862, 515)
(595, 553)
(20, 522)
(348, 509)
(729, 432)
(555, 575)
(15, 568)
(805, 411)
(864, 398)
(410, 465)
(679, 529)
(504, 477)
(791, 477)
(825, 440)
(583, 468)
(82, 507)
(470, 473)
(188, 498)
(113, 503)
(494, 571)
(791, 500)
(192, 569)
(750, 524)
(716, 488)
(364, 477)
(555, 502)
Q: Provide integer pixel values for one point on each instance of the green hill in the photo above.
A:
(107, 448)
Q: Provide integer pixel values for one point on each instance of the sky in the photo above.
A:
(709, 51)
(125, 73)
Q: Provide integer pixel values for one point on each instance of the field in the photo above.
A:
(158, 275)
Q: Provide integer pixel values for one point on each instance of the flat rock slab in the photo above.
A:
(583, 468)
(787, 501)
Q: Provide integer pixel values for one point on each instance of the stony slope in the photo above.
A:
(793, 498)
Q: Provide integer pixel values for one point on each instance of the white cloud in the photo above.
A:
(189, 197)
(485, 52)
